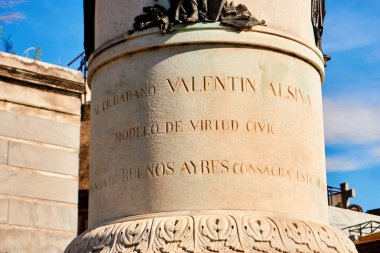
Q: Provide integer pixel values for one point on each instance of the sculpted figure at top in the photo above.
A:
(194, 11)
(318, 15)
(189, 11)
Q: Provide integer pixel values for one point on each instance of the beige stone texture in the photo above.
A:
(212, 231)
(39, 130)
(39, 98)
(3, 152)
(40, 110)
(39, 215)
(39, 113)
(42, 158)
(208, 139)
(31, 72)
(4, 207)
(235, 116)
(274, 155)
(19, 182)
(341, 218)
(114, 18)
(16, 239)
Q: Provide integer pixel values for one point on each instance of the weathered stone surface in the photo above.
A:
(39, 98)
(185, 136)
(118, 18)
(39, 141)
(40, 130)
(341, 218)
(4, 211)
(212, 232)
(20, 183)
(42, 158)
(208, 140)
(39, 75)
(26, 240)
(3, 152)
(39, 215)
(34, 112)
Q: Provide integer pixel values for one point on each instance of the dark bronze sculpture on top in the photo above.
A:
(318, 13)
(193, 11)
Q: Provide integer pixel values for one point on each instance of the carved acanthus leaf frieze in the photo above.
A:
(251, 233)
(174, 235)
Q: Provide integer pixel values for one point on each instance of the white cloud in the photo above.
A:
(347, 30)
(354, 127)
(350, 121)
(376, 152)
(346, 163)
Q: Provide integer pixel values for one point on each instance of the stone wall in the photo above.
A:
(341, 218)
(39, 141)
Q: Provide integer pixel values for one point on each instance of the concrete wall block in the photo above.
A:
(20, 183)
(3, 211)
(42, 158)
(48, 216)
(3, 152)
(24, 240)
(341, 218)
(39, 98)
(40, 130)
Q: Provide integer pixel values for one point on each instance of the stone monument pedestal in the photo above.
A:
(207, 138)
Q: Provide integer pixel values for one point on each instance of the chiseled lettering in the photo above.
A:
(208, 83)
(214, 125)
(290, 93)
(210, 167)
(125, 97)
(160, 169)
(147, 130)
(261, 127)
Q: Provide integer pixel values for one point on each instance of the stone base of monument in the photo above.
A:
(207, 117)
(213, 231)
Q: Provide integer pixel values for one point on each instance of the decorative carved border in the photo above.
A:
(213, 233)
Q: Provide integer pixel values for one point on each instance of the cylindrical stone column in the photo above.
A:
(207, 139)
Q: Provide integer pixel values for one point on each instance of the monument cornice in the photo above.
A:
(201, 34)
(39, 75)
(208, 231)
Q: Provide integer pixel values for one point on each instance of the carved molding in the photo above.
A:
(213, 233)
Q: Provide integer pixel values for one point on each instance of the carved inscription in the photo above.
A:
(214, 125)
(124, 97)
(261, 127)
(290, 93)
(206, 168)
(206, 84)
(148, 130)
(202, 125)
(212, 83)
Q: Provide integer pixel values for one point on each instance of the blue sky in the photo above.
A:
(54, 26)
(351, 90)
(352, 97)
